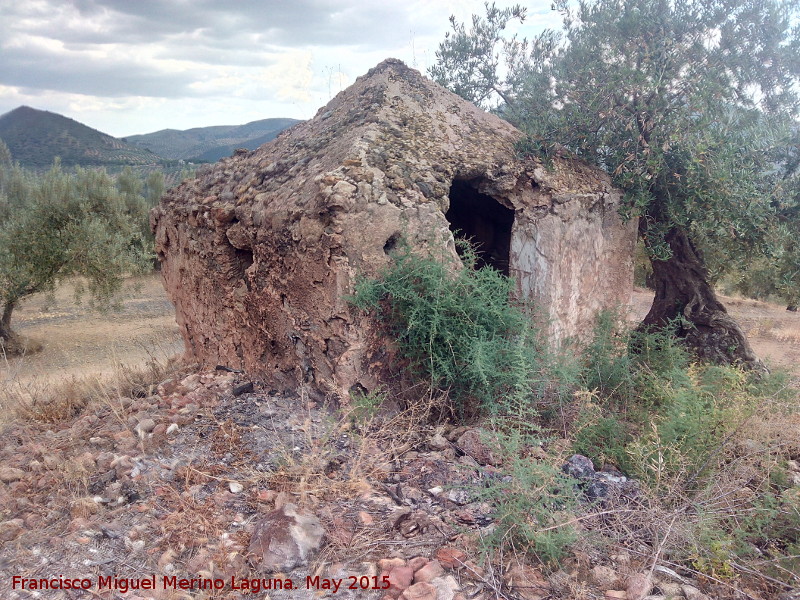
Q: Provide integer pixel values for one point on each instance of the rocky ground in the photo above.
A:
(209, 477)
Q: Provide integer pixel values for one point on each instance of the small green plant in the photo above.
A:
(458, 329)
(365, 406)
(533, 500)
(603, 439)
(716, 560)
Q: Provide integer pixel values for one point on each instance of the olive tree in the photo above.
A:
(681, 102)
(60, 225)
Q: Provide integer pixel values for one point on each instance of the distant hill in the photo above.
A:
(36, 137)
(210, 143)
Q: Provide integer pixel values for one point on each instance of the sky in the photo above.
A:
(137, 66)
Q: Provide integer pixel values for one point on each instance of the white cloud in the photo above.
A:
(130, 66)
(290, 77)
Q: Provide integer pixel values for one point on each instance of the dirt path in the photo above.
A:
(79, 341)
(773, 331)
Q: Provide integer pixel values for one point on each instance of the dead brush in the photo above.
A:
(189, 523)
(786, 334)
(731, 524)
(197, 532)
(353, 535)
(45, 402)
(353, 447)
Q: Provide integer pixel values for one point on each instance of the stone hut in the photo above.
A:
(259, 250)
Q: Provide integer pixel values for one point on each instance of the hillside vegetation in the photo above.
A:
(209, 144)
(37, 137)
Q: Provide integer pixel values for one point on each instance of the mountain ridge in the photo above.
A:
(213, 142)
(36, 137)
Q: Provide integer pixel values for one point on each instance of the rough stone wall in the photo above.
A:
(577, 258)
(258, 251)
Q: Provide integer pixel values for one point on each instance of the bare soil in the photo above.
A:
(773, 331)
(79, 340)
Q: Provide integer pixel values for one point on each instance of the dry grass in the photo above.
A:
(354, 446)
(698, 527)
(45, 401)
(773, 332)
(788, 334)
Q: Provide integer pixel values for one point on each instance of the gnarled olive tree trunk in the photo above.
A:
(682, 290)
(10, 342)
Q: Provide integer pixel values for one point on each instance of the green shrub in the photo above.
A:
(603, 439)
(456, 327)
(608, 368)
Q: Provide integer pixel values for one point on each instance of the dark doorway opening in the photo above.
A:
(484, 222)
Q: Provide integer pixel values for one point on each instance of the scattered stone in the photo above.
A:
(605, 577)
(173, 428)
(387, 564)
(243, 388)
(527, 582)
(447, 587)
(285, 538)
(471, 443)
(794, 471)
(9, 474)
(235, 487)
(416, 563)
(11, 529)
(667, 572)
(419, 591)
(191, 382)
(459, 496)
(166, 560)
(144, 427)
(670, 589)
(438, 442)
(579, 467)
(266, 495)
(429, 572)
(692, 593)
(282, 499)
(167, 387)
(451, 558)
(639, 585)
(598, 485)
(400, 578)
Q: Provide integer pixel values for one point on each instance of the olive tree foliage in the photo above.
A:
(776, 271)
(60, 225)
(684, 103)
(139, 195)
